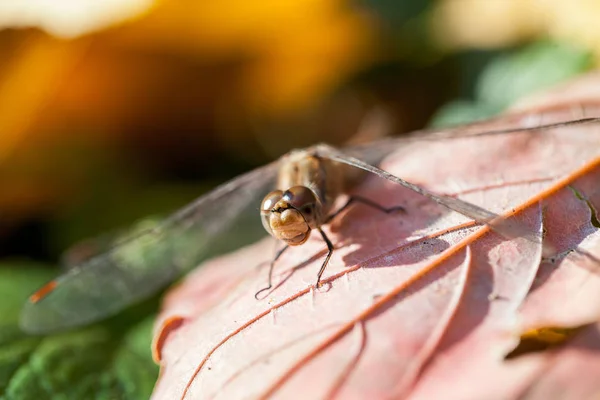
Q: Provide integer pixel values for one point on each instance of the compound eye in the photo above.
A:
(299, 197)
(270, 200)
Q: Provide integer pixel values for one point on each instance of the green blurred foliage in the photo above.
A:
(111, 360)
(509, 77)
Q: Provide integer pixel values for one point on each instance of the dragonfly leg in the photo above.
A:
(270, 285)
(365, 201)
(330, 248)
(353, 199)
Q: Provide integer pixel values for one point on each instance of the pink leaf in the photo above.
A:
(420, 305)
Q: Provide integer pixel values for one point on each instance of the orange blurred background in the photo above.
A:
(113, 110)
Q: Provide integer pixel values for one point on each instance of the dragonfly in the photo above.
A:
(310, 180)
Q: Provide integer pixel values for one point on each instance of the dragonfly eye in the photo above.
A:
(270, 200)
(300, 197)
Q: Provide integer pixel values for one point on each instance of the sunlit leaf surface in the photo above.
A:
(409, 298)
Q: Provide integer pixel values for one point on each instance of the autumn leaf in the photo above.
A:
(419, 305)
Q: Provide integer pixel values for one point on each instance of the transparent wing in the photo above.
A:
(374, 152)
(505, 227)
(147, 260)
(364, 156)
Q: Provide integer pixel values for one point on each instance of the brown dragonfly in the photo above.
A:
(308, 182)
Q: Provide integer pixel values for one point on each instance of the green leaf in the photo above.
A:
(510, 76)
(534, 68)
(459, 112)
(111, 360)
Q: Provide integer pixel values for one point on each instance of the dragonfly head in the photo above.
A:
(290, 215)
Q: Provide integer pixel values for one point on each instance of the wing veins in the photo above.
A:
(54, 311)
(506, 228)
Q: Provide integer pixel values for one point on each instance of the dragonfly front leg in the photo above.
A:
(353, 199)
(270, 284)
(330, 252)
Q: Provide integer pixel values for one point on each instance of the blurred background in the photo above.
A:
(113, 110)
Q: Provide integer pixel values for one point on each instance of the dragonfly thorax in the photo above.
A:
(291, 215)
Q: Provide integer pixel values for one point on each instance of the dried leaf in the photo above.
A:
(419, 305)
